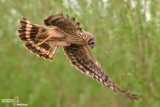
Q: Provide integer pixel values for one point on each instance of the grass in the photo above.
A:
(127, 47)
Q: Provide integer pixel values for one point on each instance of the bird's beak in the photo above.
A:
(91, 47)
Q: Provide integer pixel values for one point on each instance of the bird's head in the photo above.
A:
(89, 39)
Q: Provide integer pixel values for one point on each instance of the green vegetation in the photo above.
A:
(127, 36)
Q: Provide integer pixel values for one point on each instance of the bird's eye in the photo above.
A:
(92, 43)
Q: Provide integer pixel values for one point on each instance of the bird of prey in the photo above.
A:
(76, 44)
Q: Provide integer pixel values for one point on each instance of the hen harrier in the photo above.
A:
(76, 44)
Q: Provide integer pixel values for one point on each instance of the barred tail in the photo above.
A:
(28, 31)
(33, 34)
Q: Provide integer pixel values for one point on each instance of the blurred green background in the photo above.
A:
(127, 34)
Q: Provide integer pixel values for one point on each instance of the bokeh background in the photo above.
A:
(127, 34)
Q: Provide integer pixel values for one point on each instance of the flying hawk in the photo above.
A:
(76, 44)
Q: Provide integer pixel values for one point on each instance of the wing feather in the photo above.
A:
(64, 23)
(33, 47)
(82, 58)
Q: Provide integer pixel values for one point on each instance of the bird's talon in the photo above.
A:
(39, 44)
(44, 52)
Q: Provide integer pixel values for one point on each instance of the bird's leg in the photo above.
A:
(61, 43)
(56, 43)
(45, 52)
(51, 33)
(43, 41)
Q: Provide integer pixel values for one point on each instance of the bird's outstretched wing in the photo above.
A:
(82, 58)
(64, 23)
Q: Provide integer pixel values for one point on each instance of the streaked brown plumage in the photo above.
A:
(75, 41)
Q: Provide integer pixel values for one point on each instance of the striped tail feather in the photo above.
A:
(33, 47)
(28, 30)
(33, 34)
